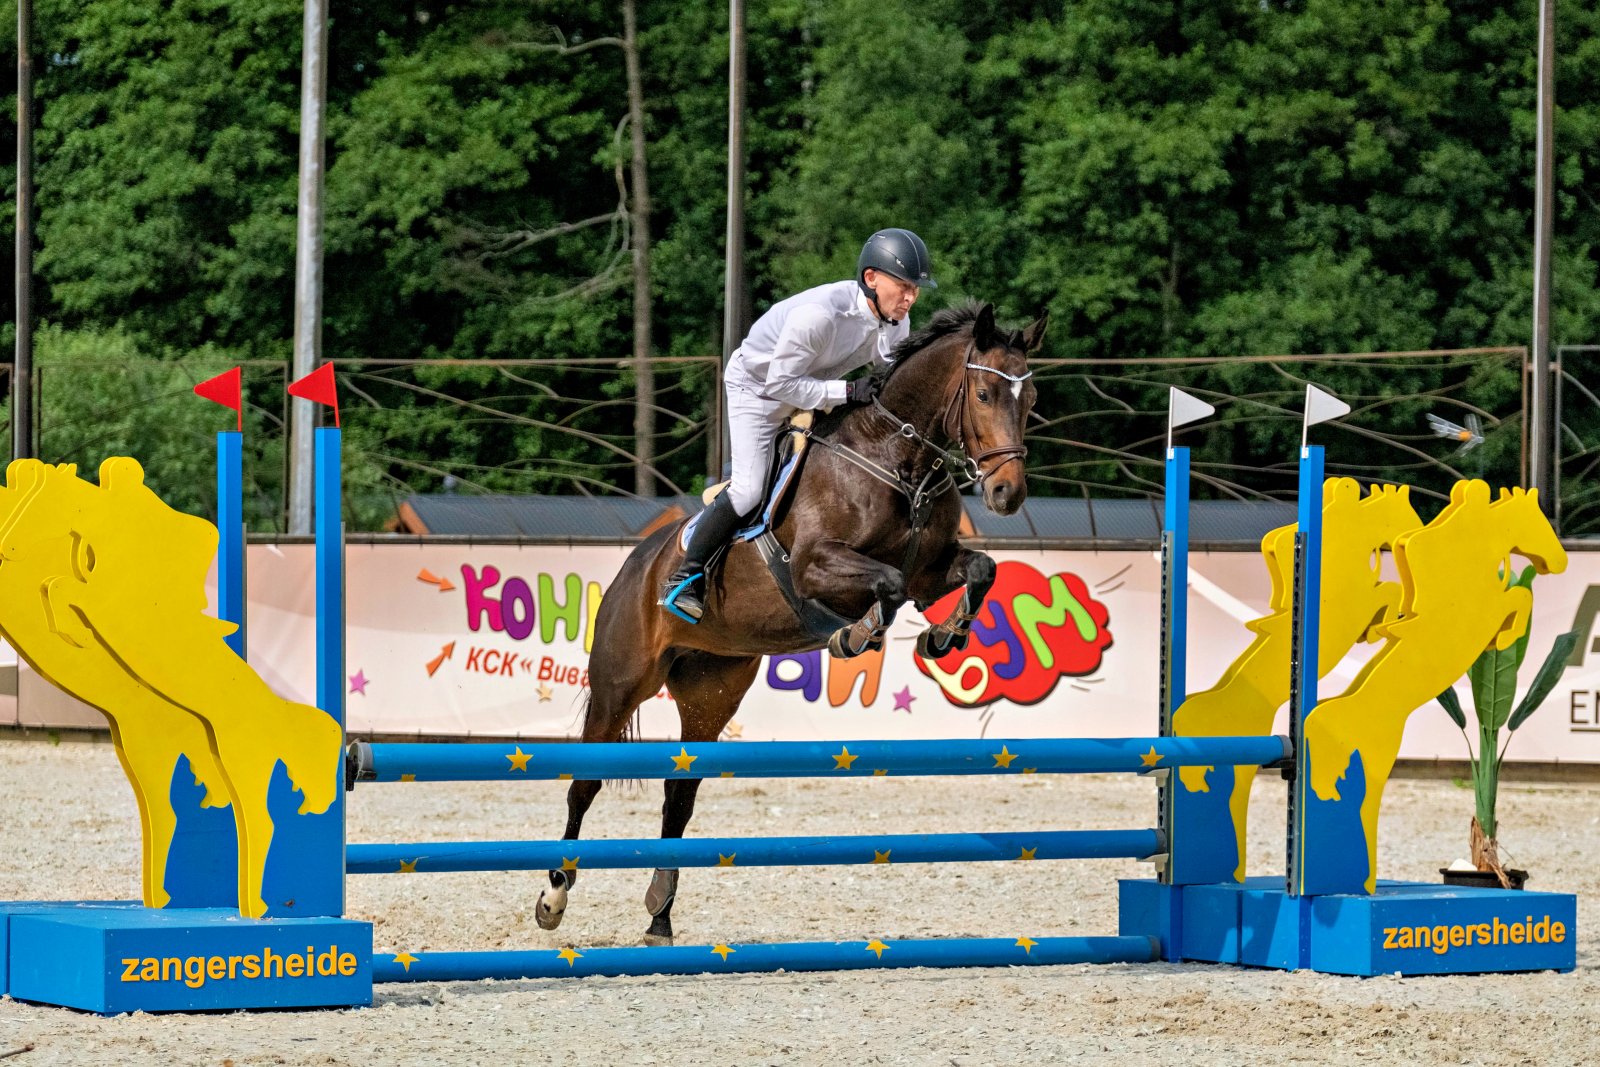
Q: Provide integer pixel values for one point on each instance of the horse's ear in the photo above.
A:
(1035, 333)
(983, 331)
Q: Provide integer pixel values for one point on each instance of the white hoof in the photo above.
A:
(551, 908)
(657, 939)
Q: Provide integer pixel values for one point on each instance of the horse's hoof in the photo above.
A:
(654, 940)
(930, 647)
(552, 907)
(839, 645)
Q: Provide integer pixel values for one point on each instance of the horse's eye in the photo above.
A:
(983, 396)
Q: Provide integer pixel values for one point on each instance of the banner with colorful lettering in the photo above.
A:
(493, 641)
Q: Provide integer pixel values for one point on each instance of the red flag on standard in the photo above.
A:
(225, 389)
(318, 387)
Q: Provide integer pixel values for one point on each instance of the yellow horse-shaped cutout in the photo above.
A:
(1456, 601)
(1355, 597)
(102, 590)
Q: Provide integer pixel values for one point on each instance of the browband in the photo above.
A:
(1003, 374)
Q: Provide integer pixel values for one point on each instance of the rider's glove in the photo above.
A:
(861, 390)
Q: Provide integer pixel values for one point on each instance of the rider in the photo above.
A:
(793, 360)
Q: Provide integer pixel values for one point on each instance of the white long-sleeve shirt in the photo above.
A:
(797, 353)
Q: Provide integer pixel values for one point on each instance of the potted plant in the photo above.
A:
(1494, 687)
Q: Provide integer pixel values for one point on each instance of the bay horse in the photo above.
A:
(871, 523)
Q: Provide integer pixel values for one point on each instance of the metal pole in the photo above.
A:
(303, 414)
(22, 369)
(1540, 424)
(733, 282)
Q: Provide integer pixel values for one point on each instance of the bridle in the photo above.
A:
(957, 431)
(939, 478)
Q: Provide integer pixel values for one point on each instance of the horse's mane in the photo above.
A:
(945, 322)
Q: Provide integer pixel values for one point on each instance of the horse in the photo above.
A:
(870, 524)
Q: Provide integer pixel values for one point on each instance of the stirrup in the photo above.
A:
(669, 600)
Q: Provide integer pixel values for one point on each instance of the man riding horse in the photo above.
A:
(794, 360)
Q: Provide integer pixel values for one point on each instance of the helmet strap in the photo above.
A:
(872, 295)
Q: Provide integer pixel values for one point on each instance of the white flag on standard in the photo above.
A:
(1183, 409)
(1321, 406)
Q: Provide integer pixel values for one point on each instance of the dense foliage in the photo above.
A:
(1170, 179)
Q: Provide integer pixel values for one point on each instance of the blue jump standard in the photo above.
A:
(737, 958)
(597, 854)
(499, 762)
(1409, 928)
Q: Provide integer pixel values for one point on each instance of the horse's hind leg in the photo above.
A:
(708, 689)
(612, 701)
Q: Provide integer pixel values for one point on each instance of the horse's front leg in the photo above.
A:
(832, 566)
(966, 568)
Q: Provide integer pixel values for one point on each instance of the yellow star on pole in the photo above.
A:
(519, 759)
(881, 857)
(546, 691)
(842, 761)
(1004, 757)
(409, 866)
(1027, 853)
(1029, 770)
(876, 946)
(405, 959)
(727, 774)
(683, 761)
(880, 772)
(1026, 944)
(723, 951)
(572, 864)
(563, 777)
(1151, 758)
(725, 861)
(572, 957)
(408, 777)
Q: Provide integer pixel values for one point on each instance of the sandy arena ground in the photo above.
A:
(73, 834)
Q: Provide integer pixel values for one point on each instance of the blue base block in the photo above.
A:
(9, 908)
(118, 958)
(1404, 928)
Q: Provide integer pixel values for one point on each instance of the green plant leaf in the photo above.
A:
(1549, 673)
(1452, 706)
(1494, 687)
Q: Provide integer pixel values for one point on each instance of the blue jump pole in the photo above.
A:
(230, 532)
(428, 857)
(501, 762)
(744, 958)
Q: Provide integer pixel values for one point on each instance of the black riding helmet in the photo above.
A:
(898, 253)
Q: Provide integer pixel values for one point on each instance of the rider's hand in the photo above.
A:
(861, 390)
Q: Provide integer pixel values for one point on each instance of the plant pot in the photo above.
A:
(1483, 879)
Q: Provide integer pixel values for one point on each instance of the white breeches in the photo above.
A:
(753, 422)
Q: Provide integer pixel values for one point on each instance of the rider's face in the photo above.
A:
(895, 297)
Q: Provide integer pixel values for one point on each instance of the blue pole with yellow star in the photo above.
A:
(505, 762)
(737, 957)
(645, 853)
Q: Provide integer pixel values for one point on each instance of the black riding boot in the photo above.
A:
(683, 594)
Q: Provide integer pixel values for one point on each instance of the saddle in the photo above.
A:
(788, 458)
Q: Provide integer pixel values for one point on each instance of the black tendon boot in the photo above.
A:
(683, 594)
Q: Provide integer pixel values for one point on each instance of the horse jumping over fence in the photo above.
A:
(871, 524)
